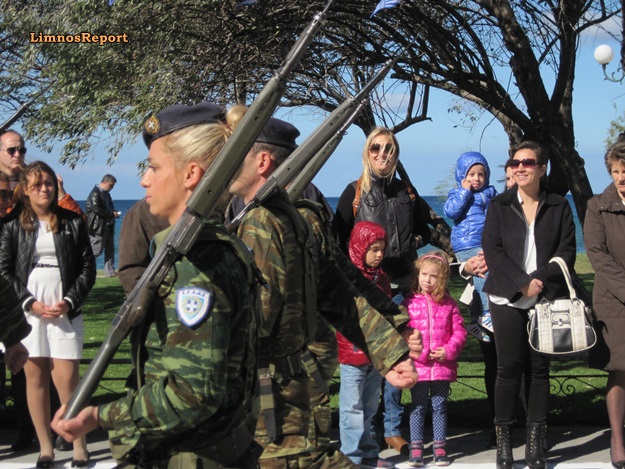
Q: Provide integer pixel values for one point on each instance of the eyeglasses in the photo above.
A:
(5, 194)
(12, 150)
(376, 147)
(527, 163)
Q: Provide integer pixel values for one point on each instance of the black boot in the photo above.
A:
(534, 451)
(505, 460)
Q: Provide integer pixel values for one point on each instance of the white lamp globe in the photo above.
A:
(604, 54)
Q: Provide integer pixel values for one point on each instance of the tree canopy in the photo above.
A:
(512, 59)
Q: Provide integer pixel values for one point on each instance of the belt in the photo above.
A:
(45, 266)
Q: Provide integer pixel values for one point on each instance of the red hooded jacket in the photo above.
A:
(362, 236)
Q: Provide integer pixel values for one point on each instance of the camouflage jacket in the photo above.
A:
(347, 310)
(201, 347)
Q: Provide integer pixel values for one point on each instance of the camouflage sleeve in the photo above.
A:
(262, 238)
(188, 365)
(339, 303)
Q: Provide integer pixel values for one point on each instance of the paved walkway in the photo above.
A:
(578, 447)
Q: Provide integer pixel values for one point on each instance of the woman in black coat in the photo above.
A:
(47, 257)
(525, 227)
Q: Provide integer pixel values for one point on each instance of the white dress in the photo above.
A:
(53, 338)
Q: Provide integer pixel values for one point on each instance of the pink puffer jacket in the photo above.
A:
(441, 325)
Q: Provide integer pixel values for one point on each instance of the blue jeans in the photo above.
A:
(358, 403)
(393, 410)
(478, 284)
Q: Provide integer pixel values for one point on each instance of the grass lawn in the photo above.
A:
(577, 391)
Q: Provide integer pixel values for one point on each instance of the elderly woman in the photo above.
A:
(380, 197)
(525, 227)
(604, 235)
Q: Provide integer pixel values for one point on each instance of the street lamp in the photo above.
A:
(604, 55)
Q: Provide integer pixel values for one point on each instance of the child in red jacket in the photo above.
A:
(434, 312)
(360, 381)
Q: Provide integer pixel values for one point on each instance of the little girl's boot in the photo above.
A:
(416, 454)
(440, 454)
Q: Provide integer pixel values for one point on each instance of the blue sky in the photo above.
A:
(428, 149)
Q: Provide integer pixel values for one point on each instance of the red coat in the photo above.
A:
(441, 325)
(363, 235)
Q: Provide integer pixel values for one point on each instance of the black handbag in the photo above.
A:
(561, 327)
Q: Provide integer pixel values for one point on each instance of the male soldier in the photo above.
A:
(12, 153)
(193, 410)
(278, 237)
(101, 215)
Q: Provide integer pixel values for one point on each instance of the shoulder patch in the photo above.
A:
(193, 305)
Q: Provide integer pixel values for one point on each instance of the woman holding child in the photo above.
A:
(525, 227)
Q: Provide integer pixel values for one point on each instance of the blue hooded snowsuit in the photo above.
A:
(467, 208)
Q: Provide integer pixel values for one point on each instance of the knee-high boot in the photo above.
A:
(534, 451)
(505, 460)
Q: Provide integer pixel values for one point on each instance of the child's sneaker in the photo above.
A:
(486, 321)
(440, 455)
(477, 332)
(416, 454)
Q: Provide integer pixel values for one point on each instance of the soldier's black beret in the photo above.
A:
(280, 133)
(178, 117)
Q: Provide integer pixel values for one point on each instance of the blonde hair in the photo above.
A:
(438, 259)
(365, 178)
(616, 154)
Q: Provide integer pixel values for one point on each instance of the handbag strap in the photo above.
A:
(567, 275)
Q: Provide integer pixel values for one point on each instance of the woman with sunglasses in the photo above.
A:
(379, 196)
(525, 227)
(47, 257)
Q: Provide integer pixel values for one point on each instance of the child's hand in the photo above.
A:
(438, 354)
(466, 184)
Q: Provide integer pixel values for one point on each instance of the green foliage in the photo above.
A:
(617, 126)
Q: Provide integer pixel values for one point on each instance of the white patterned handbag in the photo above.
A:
(561, 327)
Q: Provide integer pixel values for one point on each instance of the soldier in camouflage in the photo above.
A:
(192, 405)
(285, 252)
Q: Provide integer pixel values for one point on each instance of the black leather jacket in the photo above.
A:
(73, 253)
(100, 211)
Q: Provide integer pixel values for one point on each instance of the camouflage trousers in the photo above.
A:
(328, 458)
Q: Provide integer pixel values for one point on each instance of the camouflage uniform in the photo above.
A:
(269, 232)
(194, 409)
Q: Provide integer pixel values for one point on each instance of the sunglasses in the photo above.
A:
(12, 150)
(527, 163)
(5, 194)
(376, 147)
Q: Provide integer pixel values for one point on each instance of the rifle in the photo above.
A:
(318, 146)
(200, 205)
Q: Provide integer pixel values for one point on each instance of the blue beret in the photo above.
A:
(280, 133)
(178, 117)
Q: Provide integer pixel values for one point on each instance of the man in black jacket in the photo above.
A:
(101, 217)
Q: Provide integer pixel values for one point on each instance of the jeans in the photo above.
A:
(393, 410)
(478, 284)
(358, 403)
(106, 243)
(514, 357)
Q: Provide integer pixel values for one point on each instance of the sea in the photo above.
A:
(435, 202)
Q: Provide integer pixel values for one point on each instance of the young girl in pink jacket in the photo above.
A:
(434, 312)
